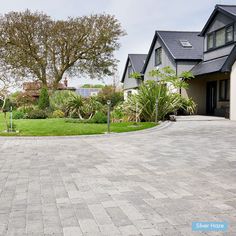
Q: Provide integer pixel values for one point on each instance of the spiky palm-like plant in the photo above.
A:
(164, 91)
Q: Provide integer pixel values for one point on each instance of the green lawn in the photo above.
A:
(58, 127)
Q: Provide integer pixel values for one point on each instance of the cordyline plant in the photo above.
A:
(33, 45)
(165, 90)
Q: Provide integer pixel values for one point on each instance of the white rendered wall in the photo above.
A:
(133, 91)
(233, 92)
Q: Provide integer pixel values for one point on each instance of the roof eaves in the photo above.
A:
(165, 44)
(149, 53)
(229, 61)
(126, 65)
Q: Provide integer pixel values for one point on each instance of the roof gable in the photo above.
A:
(228, 10)
(171, 40)
(137, 61)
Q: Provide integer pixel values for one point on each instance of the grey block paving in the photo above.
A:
(148, 183)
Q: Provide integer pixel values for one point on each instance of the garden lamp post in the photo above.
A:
(108, 115)
(11, 126)
(156, 113)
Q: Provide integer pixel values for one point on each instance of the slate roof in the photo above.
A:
(137, 62)
(206, 67)
(229, 10)
(171, 41)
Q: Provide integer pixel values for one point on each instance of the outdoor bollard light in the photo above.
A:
(108, 115)
(11, 119)
(156, 113)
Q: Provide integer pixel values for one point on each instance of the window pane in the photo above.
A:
(220, 37)
(229, 34)
(228, 90)
(158, 56)
(210, 41)
(222, 90)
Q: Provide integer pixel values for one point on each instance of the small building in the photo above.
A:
(134, 64)
(32, 89)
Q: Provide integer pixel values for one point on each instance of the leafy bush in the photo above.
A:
(18, 115)
(37, 114)
(118, 112)
(74, 105)
(59, 100)
(99, 118)
(26, 109)
(58, 114)
(109, 93)
(90, 107)
(43, 99)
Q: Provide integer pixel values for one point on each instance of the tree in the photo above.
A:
(44, 99)
(36, 46)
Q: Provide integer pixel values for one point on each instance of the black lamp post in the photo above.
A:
(108, 115)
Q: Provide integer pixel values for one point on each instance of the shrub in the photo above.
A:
(58, 114)
(18, 115)
(43, 99)
(26, 109)
(99, 118)
(37, 114)
(59, 100)
(109, 93)
(164, 92)
(118, 112)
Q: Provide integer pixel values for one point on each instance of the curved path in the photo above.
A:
(153, 182)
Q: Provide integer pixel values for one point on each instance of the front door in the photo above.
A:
(211, 97)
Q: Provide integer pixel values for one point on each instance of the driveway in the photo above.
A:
(154, 182)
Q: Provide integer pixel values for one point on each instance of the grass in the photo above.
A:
(58, 127)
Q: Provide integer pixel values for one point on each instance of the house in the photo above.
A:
(210, 55)
(180, 50)
(134, 64)
(32, 89)
(214, 85)
(88, 92)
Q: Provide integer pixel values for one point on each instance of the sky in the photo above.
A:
(139, 18)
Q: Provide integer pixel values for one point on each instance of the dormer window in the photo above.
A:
(220, 37)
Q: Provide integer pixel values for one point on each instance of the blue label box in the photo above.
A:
(210, 226)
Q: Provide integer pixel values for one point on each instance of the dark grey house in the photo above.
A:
(209, 54)
(133, 64)
(214, 86)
